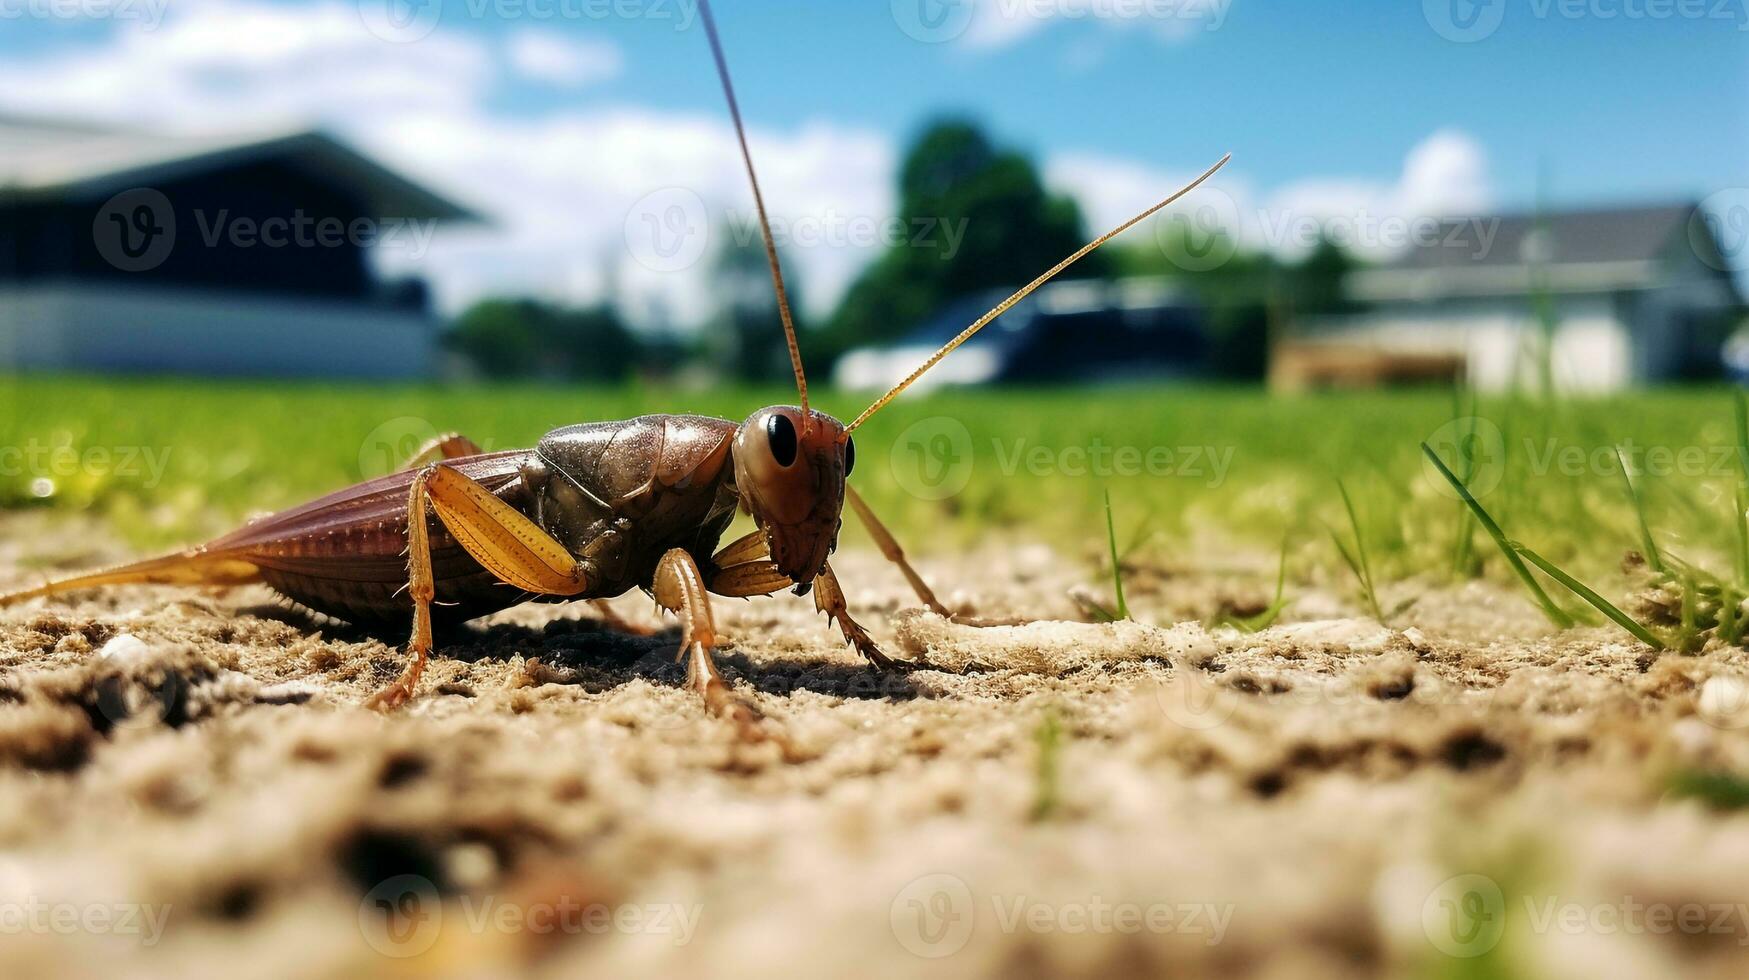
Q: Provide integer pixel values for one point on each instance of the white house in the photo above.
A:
(129, 251)
(1636, 295)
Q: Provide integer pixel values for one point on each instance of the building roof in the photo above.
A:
(1596, 250)
(1623, 234)
(53, 159)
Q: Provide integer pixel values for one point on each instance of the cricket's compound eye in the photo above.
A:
(780, 435)
(849, 455)
(790, 477)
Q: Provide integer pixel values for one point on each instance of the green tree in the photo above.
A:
(509, 338)
(1316, 283)
(744, 338)
(975, 217)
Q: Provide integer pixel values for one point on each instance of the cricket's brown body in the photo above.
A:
(628, 491)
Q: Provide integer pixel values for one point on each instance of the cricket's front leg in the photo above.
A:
(829, 599)
(679, 587)
(744, 568)
(497, 535)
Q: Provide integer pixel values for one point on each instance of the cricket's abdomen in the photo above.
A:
(345, 555)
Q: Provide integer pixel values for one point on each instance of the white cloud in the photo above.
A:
(224, 64)
(1111, 190)
(546, 56)
(564, 188)
(1445, 174)
(1001, 23)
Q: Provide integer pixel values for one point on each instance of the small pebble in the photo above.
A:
(124, 648)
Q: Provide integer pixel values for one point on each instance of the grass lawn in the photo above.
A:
(168, 461)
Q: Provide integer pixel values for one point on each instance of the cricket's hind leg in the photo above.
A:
(185, 568)
(619, 624)
(503, 540)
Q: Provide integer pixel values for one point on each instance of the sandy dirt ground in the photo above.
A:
(189, 784)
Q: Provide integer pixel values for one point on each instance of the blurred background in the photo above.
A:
(478, 189)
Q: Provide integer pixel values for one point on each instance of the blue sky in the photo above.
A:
(563, 118)
(1616, 107)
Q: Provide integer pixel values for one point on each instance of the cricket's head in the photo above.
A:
(790, 469)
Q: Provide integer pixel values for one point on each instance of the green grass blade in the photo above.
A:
(1730, 617)
(1347, 557)
(1688, 637)
(1359, 542)
(1359, 570)
(1742, 414)
(1047, 788)
(1270, 613)
(1123, 608)
(1556, 614)
(1461, 563)
(1463, 555)
(1596, 601)
(1718, 790)
(1699, 574)
(1276, 604)
(1358, 559)
(1653, 558)
(1740, 529)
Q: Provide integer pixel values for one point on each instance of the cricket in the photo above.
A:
(595, 510)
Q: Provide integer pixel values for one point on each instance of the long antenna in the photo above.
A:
(1026, 290)
(789, 325)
